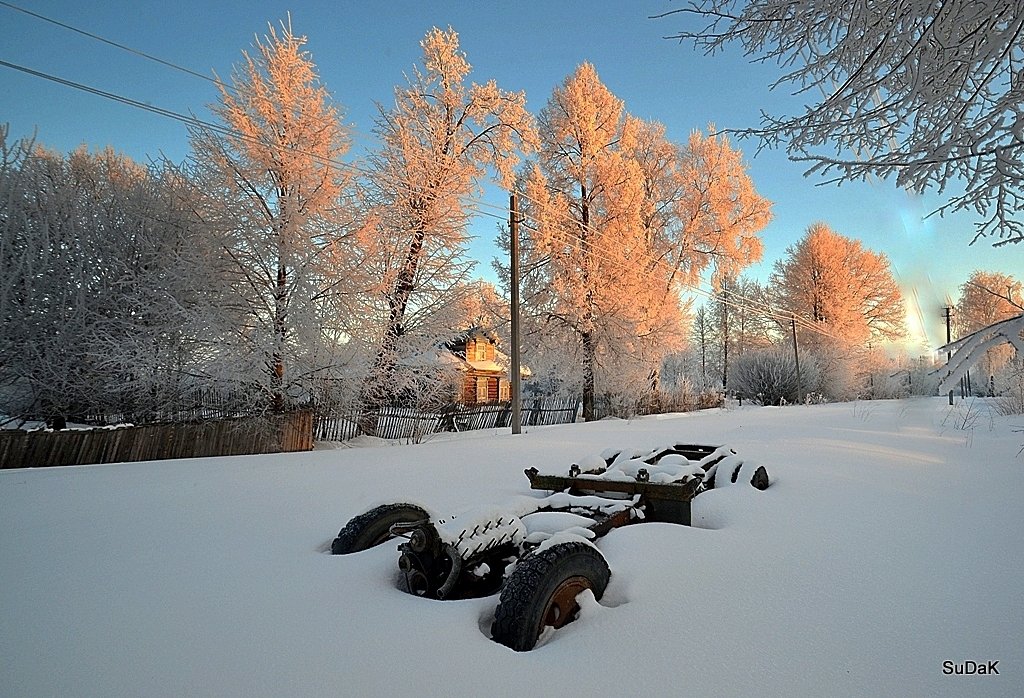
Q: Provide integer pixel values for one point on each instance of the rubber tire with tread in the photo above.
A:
(519, 618)
(374, 527)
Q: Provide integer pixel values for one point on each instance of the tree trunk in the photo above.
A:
(378, 388)
(703, 358)
(588, 375)
(277, 401)
(587, 332)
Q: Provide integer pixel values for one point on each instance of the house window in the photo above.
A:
(481, 390)
(503, 391)
(481, 350)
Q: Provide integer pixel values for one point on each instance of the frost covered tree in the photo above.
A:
(967, 351)
(926, 92)
(482, 306)
(618, 221)
(987, 298)
(700, 333)
(834, 283)
(739, 320)
(440, 140)
(584, 204)
(277, 200)
(701, 210)
(104, 281)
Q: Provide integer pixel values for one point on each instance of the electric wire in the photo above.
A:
(110, 42)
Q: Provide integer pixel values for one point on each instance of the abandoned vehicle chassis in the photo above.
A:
(473, 563)
(483, 551)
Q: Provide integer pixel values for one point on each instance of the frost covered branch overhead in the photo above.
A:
(930, 93)
(968, 350)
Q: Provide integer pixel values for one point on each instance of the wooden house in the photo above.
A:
(485, 369)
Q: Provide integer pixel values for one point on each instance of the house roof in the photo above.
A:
(501, 362)
(487, 365)
(477, 331)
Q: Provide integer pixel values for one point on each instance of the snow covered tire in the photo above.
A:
(374, 527)
(542, 591)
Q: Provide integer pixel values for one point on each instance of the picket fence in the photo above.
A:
(295, 431)
(403, 423)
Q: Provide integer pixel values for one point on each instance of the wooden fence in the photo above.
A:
(542, 412)
(625, 408)
(195, 405)
(295, 431)
(224, 437)
(414, 425)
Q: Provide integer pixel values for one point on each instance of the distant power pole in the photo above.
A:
(513, 228)
(796, 357)
(871, 373)
(949, 339)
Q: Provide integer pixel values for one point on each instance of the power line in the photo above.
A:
(109, 42)
(118, 98)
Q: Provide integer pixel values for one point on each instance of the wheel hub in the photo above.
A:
(562, 606)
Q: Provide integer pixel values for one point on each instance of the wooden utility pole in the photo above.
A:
(725, 336)
(871, 373)
(949, 339)
(796, 357)
(513, 228)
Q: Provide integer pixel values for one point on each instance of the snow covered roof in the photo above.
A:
(486, 365)
(478, 331)
(433, 357)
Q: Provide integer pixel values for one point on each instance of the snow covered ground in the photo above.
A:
(890, 541)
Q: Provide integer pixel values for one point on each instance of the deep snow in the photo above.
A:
(889, 542)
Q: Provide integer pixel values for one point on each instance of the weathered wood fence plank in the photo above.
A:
(222, 437)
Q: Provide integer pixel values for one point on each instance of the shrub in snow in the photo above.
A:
(768, 376)
(1011, 395)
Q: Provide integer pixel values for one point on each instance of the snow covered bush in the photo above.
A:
(769, 377)
(1011, 398)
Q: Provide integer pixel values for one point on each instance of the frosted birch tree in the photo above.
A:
(442, 138)
(988, 298)
(739, 319)
(279, 202)
(926, 92)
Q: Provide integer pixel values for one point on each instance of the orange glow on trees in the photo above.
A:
(985, 299)
(271, 193)
(620, 220)
(440, 139)
(834, 282)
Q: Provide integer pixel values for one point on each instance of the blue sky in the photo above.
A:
(363, 49)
